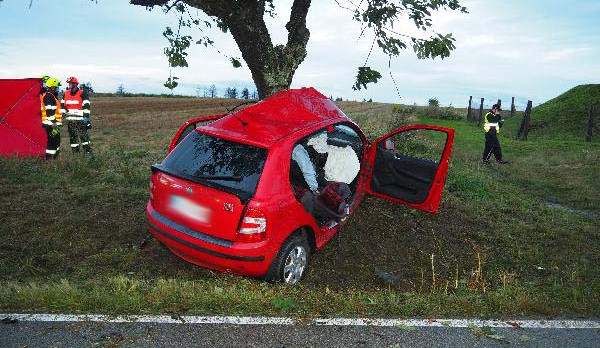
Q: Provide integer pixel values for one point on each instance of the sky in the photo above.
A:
(532, 50)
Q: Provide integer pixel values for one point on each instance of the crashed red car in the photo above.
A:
(229, 196)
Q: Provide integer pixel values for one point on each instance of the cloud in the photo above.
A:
(502, 47)
(564, 54)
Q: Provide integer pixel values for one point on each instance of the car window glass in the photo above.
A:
(200, 156)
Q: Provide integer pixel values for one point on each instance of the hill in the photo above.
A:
(565, 117)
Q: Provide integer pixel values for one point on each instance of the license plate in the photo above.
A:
(190, 209)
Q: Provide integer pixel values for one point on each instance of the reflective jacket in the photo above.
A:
(76, 105)
(490, 120)
(51, 114)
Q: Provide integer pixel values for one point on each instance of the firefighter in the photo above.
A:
(51, 117)
(492, 123)
(77, 105)
(43, 89)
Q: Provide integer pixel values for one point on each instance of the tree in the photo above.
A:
(121, 89)
(245, 93)
(87, 87)
(231, 93)
(212, 91)
(433, 102)
(273, 66)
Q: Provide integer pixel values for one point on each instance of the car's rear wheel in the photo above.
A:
(291, 263)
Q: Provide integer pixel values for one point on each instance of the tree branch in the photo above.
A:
(296, 27)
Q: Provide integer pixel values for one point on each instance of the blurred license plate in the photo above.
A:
(190, 209)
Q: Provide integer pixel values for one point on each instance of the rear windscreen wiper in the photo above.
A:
(219, 177)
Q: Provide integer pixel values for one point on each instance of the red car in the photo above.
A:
(230, 197)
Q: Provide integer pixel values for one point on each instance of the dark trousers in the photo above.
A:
(492, 145)
(329, 204)
(53, 143)
(78, 132)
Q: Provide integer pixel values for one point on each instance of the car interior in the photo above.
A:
(401, 175)
(340, 136)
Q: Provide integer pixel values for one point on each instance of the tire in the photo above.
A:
(291, 263)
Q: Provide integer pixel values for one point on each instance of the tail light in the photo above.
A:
(253, 227)
(151, 189)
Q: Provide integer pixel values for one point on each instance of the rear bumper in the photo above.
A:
(250, 259)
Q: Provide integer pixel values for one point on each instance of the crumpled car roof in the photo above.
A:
(276, 117)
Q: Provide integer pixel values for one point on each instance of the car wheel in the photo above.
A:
(291, 263)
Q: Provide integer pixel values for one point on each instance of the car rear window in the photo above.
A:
(200, 156)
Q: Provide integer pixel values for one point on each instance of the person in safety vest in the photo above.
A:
(77, 108)
(43, 89)
(51, 117)
(492, 123)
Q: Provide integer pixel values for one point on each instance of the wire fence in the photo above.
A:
(520, 107)
(510, 108)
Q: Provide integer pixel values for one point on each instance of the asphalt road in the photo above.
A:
(101, 334)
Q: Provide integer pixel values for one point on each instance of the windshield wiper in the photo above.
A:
(220, 177)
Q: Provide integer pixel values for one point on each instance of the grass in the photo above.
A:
(73, 235)
(566, 116)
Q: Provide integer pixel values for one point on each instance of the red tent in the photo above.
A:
(21, 132)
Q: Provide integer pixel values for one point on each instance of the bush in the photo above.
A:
(401, 116)
(434, 103)
(449, 113)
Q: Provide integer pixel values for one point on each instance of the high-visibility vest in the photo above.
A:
(74, 105)
(57, 115)
(488, 125)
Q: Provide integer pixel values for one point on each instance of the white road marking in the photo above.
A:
(233, 320)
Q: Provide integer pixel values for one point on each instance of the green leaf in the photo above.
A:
(487, 332)
(235, 62)
(171, 82)
(365, 75)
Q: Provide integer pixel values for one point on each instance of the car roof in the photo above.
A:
(281, 114)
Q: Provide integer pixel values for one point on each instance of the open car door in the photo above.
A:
(189, 126)
(409, 166)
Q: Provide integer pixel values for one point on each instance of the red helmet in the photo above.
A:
(72, 80)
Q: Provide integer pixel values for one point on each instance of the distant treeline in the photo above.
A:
(125, 95)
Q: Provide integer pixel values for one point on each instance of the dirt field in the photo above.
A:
(512, 261)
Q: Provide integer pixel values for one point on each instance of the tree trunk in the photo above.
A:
(272, 67)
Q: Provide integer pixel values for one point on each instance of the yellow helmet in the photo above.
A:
(52, 82)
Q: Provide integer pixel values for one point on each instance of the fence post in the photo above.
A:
(590, 127)
(526, 119)
(524, 128)
(469, 109)
(480, 112)
(512, 107)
